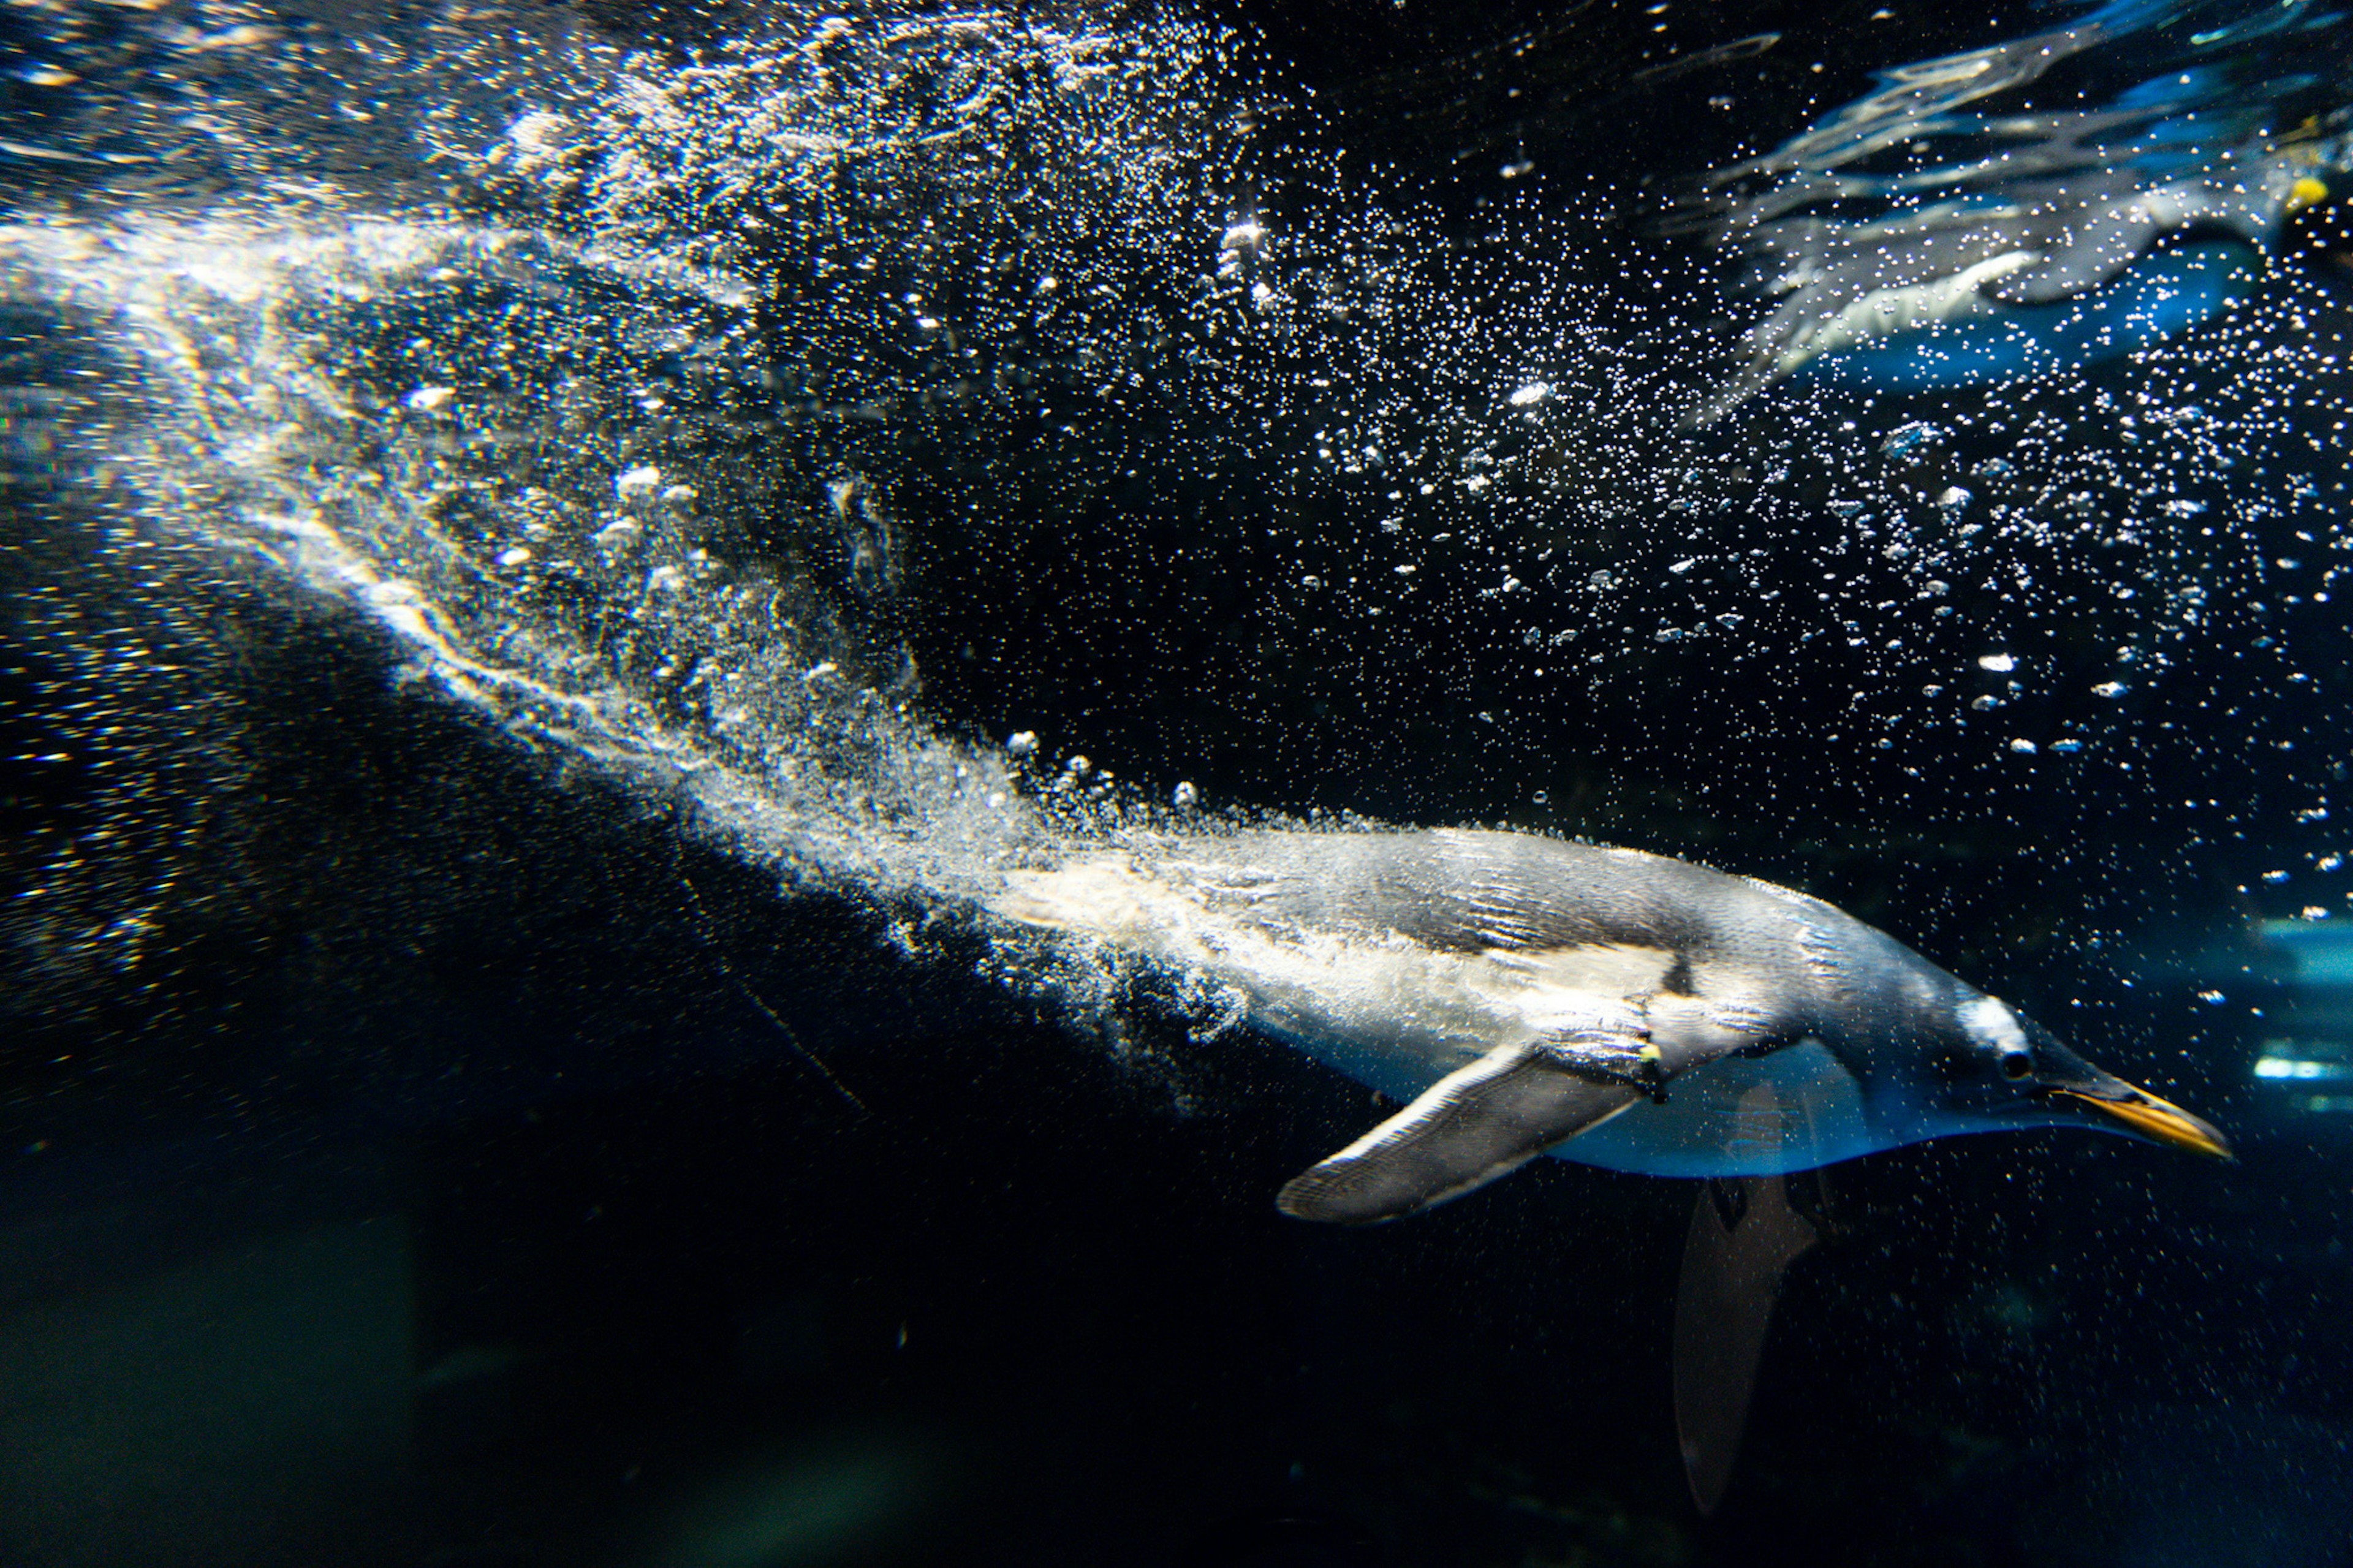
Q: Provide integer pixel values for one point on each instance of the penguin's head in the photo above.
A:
(2317, 226)
(1995, 1069)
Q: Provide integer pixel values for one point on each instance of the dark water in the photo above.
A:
(500, 1062)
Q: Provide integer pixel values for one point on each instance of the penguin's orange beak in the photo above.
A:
(2159, 1121)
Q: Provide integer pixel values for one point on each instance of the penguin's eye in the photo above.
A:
(2016, 1064)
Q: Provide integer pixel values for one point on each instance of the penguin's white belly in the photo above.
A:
(1764, 1116)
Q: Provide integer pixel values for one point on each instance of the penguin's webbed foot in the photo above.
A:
(1624, 1057)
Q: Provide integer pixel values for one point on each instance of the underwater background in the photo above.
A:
(551, 555)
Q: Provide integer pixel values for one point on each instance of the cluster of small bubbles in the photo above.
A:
(649, 458)
(226, 107)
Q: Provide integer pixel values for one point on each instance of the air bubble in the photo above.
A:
(1911, 442)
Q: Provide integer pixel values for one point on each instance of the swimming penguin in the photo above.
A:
(1526, 996)
(1970, 297)
(2018, 241)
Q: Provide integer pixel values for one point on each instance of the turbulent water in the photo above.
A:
(692, 416)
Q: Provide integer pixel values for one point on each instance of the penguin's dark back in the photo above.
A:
(1473, 891)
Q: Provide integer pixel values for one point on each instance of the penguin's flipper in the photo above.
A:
(1476, 1123)
(1625, 1056)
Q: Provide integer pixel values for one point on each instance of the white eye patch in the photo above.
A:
(1993, 1025)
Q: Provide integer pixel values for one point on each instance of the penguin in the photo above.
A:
(1957, 333)
(1975, 296)
(1526, 996)
(1946, 229)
